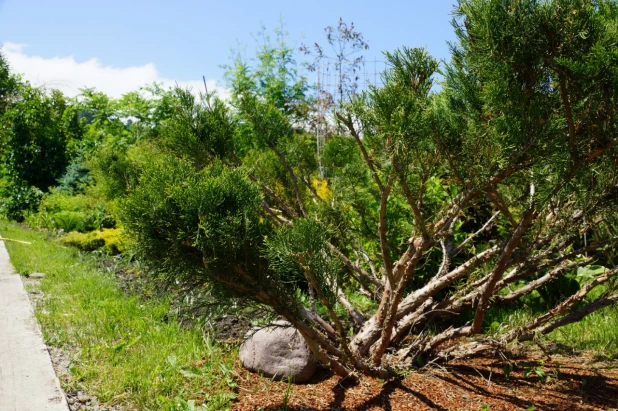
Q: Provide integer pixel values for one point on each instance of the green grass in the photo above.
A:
(597, 332)
(124, 349)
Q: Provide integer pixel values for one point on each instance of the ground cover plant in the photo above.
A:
(127, 350)
(438, 208)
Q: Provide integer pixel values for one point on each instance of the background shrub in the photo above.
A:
(18, 199)
(111, 240)
(61, 210)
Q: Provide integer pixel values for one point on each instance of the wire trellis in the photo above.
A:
(339, 82)
(336, 84)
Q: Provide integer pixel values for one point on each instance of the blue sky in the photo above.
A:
(112, 44)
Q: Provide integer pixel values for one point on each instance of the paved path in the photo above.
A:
(27, 378)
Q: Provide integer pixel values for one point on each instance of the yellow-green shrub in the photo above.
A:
(111, 240)
(84, 241)
(115, 240)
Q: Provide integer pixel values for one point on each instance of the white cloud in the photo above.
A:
(68, 75)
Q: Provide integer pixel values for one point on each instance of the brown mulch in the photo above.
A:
(569, 383)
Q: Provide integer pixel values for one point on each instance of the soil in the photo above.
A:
(536, 382)
(231, 329)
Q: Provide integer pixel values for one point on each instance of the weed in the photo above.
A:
(535, 369)
(286, 396)
(508, 369)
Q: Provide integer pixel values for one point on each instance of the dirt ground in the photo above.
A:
(535, 382)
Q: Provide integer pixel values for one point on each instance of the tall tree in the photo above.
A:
(8, 84)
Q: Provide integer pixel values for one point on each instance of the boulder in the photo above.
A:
(278, 351)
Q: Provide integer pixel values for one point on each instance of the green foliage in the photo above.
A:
(69, 221)
(198, 225)
(535, 369)
(302, 249)
(510, 71)
(34, 141)
(103, 120)
(192, 129)
(59, 210)
(274, 78)
(515, 153)
(75, 178)
(559, 289)
(110, 240)
(116, 169)
(88, 242)
(8, 85)
(116, 241)
(197, 130)
(596, 333)
(18, 198)
(57, 201)
(588, 273)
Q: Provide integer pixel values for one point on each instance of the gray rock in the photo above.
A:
(36, 275)
(278, 350)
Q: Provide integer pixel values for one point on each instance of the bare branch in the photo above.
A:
(499, 269)
(533, 285)
(290, 212)
(575, 316)
(497, 200)
(412, 202)
(471, 237)
(414, 300)
(569, 113)
(388, 264)
(354, 268)
(562, 307)
(355, 315)
(272, 213)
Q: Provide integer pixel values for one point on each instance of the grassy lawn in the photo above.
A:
(124, 349)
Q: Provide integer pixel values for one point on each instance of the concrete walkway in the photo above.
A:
(27, 378)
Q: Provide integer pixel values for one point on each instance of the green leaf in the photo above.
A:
(588, 273)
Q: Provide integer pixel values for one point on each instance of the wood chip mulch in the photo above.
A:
(565, 383)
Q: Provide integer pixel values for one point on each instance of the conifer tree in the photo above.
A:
(439, 206)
